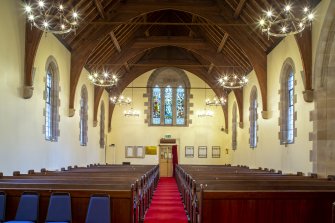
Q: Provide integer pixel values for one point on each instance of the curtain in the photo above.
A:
(174, 158)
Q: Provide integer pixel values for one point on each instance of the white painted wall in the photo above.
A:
(269, 153)
(132, 131)
(22, 143)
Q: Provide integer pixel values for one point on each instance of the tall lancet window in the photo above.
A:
(287, 100)
(180, 106)
(234, 128)
(290, 108)
(51, 96)
(253, 118)
(168, 113)
(156, 105)
(83, 127)
(102, 125)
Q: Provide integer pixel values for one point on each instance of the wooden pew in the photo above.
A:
(125, 192)
(253, 196)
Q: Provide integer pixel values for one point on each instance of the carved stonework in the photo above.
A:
(95, 123)
(308, 95)
(28, 92)
(266, 114)
(72, 111)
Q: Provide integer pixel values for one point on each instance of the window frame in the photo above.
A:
(179, 80)
(83, 122)
(287, 102)
(52, 101)
(253, 116)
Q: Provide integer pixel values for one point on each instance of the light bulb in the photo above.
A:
(41, 4)
(28, 8)
(269, 13)
(262, 22)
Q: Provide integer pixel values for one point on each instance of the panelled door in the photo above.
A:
(165, 161)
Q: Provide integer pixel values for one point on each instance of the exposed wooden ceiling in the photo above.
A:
(206, 37)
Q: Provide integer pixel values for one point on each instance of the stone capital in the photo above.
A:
(72, 111)
(95, 123)
(308, 95)
(28, 92)
(266, 114)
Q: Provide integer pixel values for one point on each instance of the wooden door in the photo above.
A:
(165, 161)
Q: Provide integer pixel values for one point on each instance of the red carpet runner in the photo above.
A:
(166, 205)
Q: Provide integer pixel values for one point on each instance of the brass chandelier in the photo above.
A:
(51, 16)
(288, 21)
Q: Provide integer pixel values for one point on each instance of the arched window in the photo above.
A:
(253, 116)
(287, 100)
(102, 125)
(234, 128)
(83, 117)
(168, 90)
(51, 126)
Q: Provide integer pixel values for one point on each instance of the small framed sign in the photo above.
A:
(202, 151)
(129, 151)
(189, 151)
(216, 151)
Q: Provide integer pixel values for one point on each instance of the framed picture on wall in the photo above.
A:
(129, 152)
(140, 152)
(216, 151)
(189, 151)
(202, 151)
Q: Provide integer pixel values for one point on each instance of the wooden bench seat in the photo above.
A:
(238, 194)
(129, 192)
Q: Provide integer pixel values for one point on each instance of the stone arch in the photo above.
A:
(173, 77)
(323, 153)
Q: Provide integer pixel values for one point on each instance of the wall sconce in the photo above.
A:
(227, 151)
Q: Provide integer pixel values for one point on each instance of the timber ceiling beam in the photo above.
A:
(210, 68)
(304, 41)
(32, 40)
(115, 42)
(140, 45)
(239, 8)
(136, 72)
(207, 10)
(97, 96)
(100, 8)
(222, 43)
(239, 99)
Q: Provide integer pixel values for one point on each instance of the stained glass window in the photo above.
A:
(168, 92)
(180, 106)
(168, 106)
(156, 105)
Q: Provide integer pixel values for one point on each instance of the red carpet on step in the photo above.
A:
(166, 205)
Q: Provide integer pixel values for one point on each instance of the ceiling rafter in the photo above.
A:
(100, 8)
(222, 43)
(239, 8)
(115, 42)
(210, 12)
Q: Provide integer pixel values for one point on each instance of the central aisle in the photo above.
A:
(166, 205)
